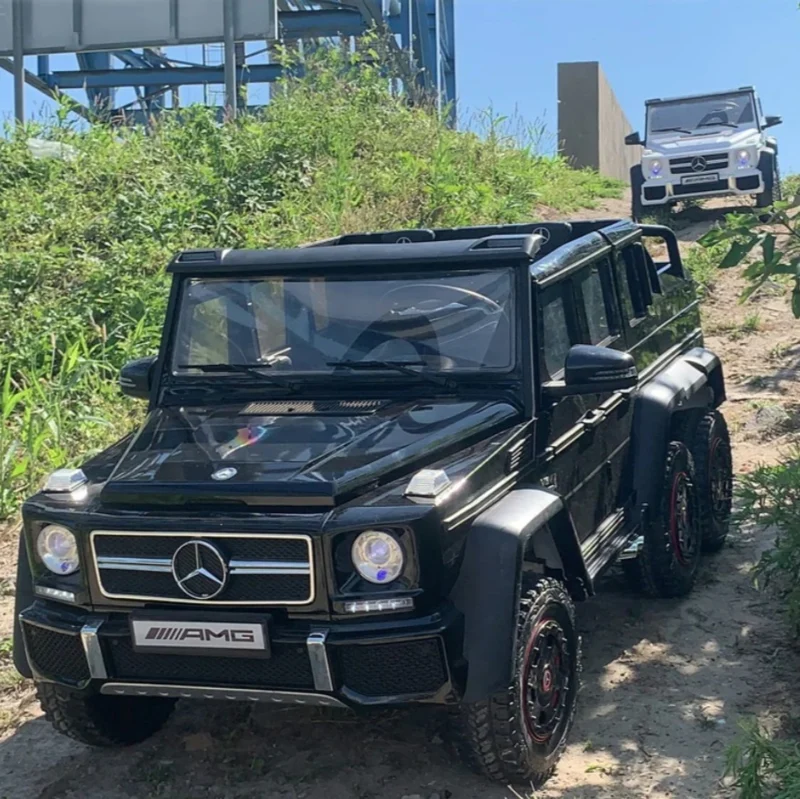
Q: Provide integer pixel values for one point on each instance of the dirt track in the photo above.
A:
(664, 682)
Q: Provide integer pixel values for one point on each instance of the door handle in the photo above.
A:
(592, 419)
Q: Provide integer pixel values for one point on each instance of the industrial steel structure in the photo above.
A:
(124, 44)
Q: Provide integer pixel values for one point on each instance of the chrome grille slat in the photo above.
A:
(159, 569)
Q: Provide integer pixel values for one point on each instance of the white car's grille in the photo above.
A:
(697, 164)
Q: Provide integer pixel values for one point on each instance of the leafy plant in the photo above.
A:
(777, 242)
(762, 766)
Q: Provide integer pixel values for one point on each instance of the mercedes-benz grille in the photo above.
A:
(203, 568)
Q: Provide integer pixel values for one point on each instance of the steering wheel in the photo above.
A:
(431, 289)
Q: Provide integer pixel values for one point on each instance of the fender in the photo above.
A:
(694, 381)
(23, 599)
(528, 528)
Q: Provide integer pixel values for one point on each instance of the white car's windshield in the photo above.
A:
(442, 322)
(693, 116)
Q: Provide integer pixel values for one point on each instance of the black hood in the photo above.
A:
(301, 459)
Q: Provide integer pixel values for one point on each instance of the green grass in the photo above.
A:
(703, 263)
(84, 240)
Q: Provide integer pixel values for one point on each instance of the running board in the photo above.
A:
(229, 694)
(604, 545)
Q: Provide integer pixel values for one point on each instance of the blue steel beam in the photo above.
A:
(164, 76)
(101, 100)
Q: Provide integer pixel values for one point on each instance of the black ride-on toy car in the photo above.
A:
(380, 469)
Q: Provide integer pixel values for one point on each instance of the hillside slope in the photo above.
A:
(84, 239)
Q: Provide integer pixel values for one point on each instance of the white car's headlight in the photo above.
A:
(656, 168)
(58, 549)
(744, 159)
(378, 557)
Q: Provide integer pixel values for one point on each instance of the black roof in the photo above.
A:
(469, 245)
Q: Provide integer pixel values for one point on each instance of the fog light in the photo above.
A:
(54, 593)
(377, 557)
(378, 605)
(58, 549)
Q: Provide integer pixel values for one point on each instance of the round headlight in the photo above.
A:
(744, 158)
(58, 549)
(655, 168)
(377, 557)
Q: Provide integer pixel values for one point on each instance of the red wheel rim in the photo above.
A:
(720, 479)
(681, 526)
(545, 681)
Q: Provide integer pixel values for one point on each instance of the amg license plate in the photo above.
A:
(711, 177)
(200, 636)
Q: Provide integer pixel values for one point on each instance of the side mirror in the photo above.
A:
(771, 122)
(595, 370)
(136, 377)
(633, 138)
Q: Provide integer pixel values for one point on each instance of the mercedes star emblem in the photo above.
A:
(543, 232)
(224, 474)
(199, 570)
(404, 240)
(698, 164)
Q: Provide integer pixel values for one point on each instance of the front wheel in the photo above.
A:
(668, 563)
(518, 735)
(99, 720)
(637, 182)
(771, 175)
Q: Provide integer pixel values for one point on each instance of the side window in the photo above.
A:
(593, 287)
(636, 293)
(556, 327)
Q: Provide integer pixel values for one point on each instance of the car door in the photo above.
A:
(583, 440)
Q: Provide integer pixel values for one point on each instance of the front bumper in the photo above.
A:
(388, 661)
(671, 188)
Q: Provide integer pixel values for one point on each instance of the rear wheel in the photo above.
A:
(711, 450)
(667, 565)
(99, 720)
(518, 735)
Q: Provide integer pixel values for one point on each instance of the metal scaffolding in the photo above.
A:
(424, 28)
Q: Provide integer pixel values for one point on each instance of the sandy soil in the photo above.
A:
(665, 683)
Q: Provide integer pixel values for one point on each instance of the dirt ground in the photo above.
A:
(665, 682)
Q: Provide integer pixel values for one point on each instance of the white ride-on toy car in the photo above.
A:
(703, 146)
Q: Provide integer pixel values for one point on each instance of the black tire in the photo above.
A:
(668, 563)
(99, 720)
(710, 444)
(637, 181)
(518, 735)
(768, 164)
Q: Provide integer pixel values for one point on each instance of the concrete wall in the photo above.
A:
(591, 125)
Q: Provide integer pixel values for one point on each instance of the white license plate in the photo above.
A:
(712, 177)
(200, 637)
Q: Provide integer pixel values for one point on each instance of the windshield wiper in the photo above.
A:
(404, 367)
(670, 130)
(718, 125)
(252, 369)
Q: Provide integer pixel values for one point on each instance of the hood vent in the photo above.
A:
(314, 407)
(517, 455)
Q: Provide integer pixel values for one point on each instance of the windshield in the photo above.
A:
(443, 322)
(690, 116)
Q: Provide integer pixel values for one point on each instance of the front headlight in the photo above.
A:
(58, 549)
(378, 557)
(656, 167)
(744, 159)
